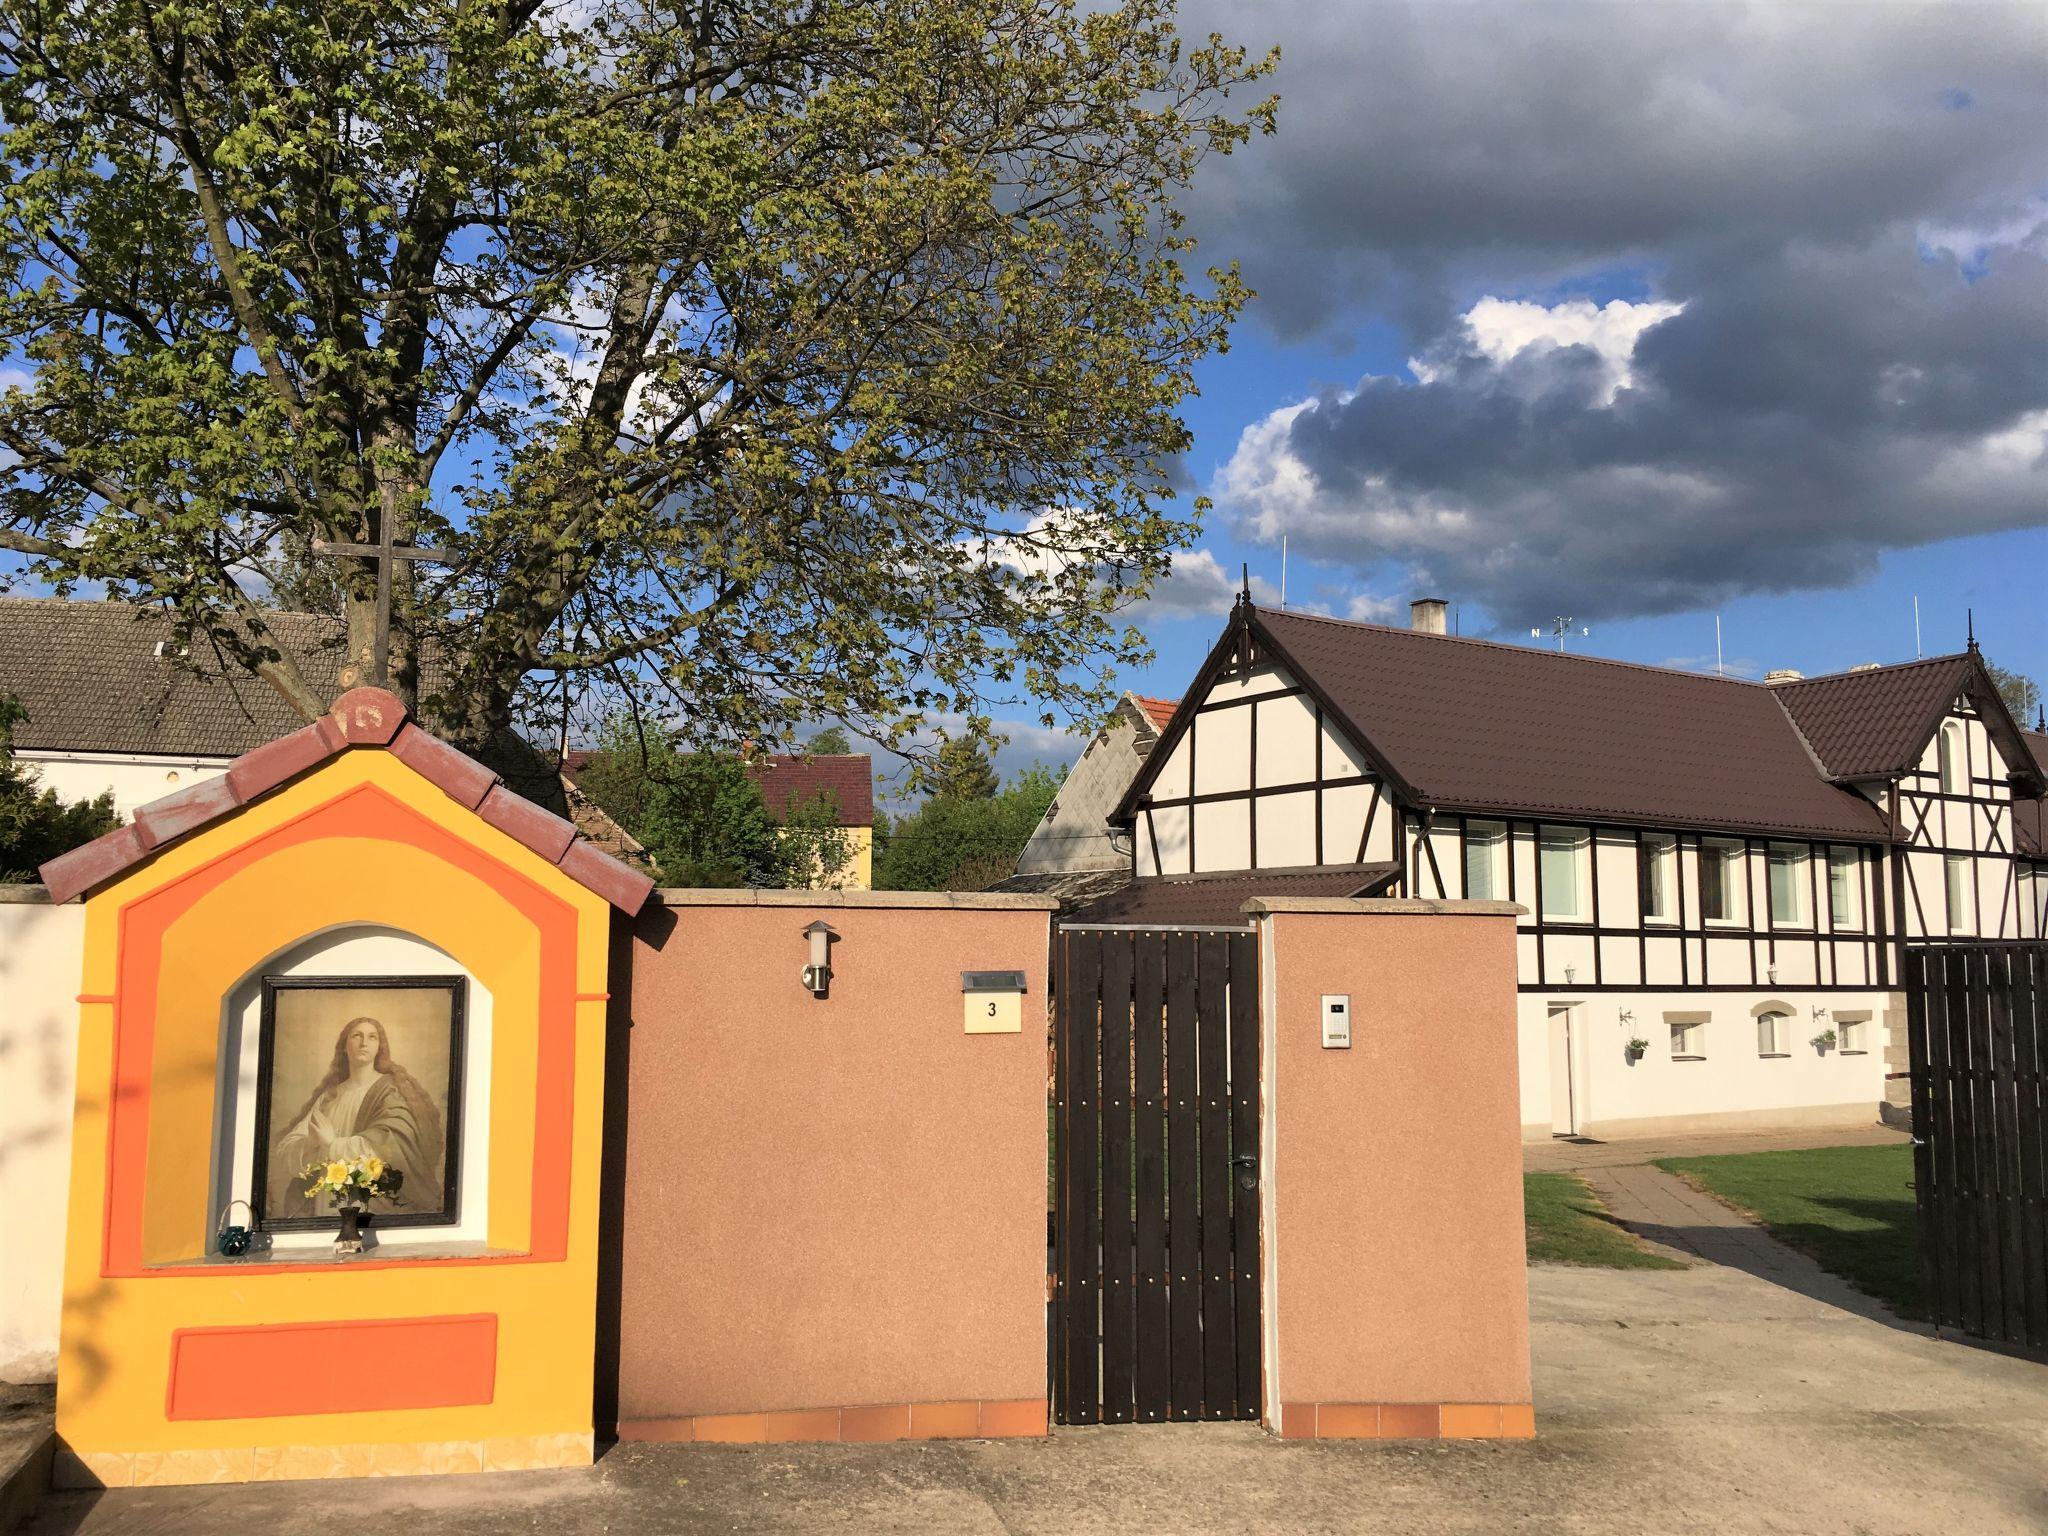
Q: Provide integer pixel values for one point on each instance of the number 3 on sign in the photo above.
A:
(995, 1013)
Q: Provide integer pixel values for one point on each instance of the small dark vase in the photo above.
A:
(354, 1218)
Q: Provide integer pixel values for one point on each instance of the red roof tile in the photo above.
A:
(1475, 725)
(1158, 711)
(362, 719)
(786, 779)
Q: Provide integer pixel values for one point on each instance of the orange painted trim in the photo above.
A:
(372, 1365)
(1407, 1421)
(856, 1424)
(593, 997)
(94, 997)
(361, 811)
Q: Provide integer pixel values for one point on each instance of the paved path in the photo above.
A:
(1563, 1153)
(1700, 1400)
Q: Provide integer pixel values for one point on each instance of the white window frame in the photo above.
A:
(1581, 848)
(1489, 841)
(1850, 1039)
(1770, 1033)
(1798, 859)
(1688, 1036)
(1735, 886)
(1659, 872)
(1849, 860)
(1951, 759)
(1956, 879)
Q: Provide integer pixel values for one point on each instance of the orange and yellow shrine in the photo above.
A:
(178, 1366)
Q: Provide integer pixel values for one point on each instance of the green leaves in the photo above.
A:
(760, 359)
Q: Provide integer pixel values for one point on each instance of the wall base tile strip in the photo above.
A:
(859, 1423)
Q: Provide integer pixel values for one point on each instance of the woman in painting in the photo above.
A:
(366, 1106)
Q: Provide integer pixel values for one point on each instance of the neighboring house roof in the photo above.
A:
(361, 718)
(1481, 726)
(1220, 898)
(99, 677)
(790, 778)
(787, 780)
(1874, 723)
(1071, 886)
(2031, 816)
(1158, 711)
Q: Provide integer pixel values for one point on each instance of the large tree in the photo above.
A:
(797, 356)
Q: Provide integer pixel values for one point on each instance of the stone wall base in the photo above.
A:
(291, 1463)
(1407, 1421)
(865, 1424)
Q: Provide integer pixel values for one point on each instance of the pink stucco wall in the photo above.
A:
(831, 1202)
(1396, 1245)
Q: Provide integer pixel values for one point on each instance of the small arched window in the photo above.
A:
(1773, 1023)
(1952, 759)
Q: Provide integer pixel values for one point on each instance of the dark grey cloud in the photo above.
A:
(1841, 212)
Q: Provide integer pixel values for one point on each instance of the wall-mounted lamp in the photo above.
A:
(1771, 972)
(818, 974)
(1571, 974)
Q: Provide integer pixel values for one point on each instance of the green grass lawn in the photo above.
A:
(1849, 1208)
(1569, 1225)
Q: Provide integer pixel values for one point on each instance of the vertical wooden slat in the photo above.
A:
(1118, 1318)
(1984, 1139)
(1149, 1094)
(2030, 1025)
(1219, 1342)
(1183, 1173)
(1947, 1304)
(1926, 1195)
(1062, 1176)
(1244, 1182)
(1084, 1277)
(1962, 1119)
(2010, 1257)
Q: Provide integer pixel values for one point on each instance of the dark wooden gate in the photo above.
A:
(1156, 1176)
(1977, 1015)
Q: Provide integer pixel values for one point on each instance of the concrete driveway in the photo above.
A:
(1705, 1399)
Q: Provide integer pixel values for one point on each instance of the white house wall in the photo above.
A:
(1258, 779)
(133, 781)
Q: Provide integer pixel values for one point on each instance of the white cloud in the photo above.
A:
(1199, 587)
(1501, 330)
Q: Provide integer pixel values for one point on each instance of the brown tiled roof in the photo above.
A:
(1219, 899)
(1072, 886)
(848, 778)
(1474, 725)
(2031, 816)
(362, 718)
(93, 678)
(1158, 711)
(1874, 723)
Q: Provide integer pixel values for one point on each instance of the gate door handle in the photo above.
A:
(1247, 1165)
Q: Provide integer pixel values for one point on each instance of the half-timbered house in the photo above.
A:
(1717, 874)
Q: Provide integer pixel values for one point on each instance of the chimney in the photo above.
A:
(1427, 614)
(1782, 675)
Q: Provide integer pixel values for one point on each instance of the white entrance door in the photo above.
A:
(1564, 1118)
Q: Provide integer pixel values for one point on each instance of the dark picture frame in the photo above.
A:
(446, 1206)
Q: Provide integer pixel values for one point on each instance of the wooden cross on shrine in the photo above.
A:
(386, 552)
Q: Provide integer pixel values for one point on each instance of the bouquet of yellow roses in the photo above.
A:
(352, 1181)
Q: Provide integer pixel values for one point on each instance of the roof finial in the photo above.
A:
(2041, 719)
(1245, 595)
(1970, 626)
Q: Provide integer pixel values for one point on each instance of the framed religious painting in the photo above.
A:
(363, 1071)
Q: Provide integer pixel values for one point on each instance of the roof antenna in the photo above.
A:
(1283, 573)
(1717, 647)
(1917, 652)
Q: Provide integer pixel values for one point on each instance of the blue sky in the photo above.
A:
(1638, 314)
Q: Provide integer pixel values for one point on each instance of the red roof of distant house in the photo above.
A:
(849, 779)
(1158, 711)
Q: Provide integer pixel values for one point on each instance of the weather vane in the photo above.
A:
(1561, 627)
